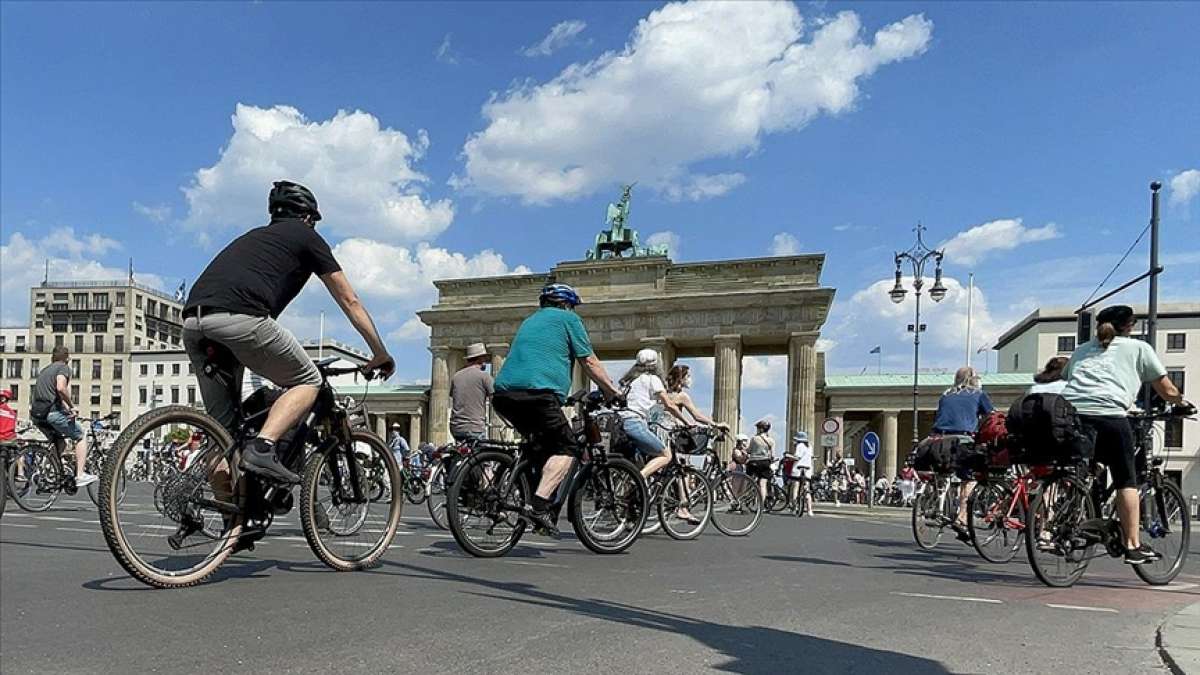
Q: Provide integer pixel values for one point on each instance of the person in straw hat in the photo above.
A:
(470, 390)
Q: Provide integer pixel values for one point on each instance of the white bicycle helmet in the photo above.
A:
(647, 357)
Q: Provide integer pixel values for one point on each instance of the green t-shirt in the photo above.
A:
(543, 351)
(1106, 381)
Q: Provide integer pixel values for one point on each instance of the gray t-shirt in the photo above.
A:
(1106, 381)
(45, 392)
(760, 448)
(470, 389)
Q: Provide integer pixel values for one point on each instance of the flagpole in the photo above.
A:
(970, 309)
(321, 339)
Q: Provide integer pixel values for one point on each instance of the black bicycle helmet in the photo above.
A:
(292, 199)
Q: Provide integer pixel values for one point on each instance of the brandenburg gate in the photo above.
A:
(725, 309)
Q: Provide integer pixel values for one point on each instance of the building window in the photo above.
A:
(16, 391)
(33, 368)
(1173, 433)
(59, 340)
(119, 344)
(158, 369)
(137, 341)
(137, 299)
(120, 299)
(118, 368)
(1176, 342)
(39, 343)
(151, 307)
(99, 327)
(75, 369)
(1016, 362)
(174, 394)
(95, 394)
(59, 326)
(14, 367)
(80, 300)
(141, 396)
(157, 394)
(119, 322)
(174, 368)
(1066, 344)
(116, 395)
(191, 396)
(96, 369)
(1176, 377)
(116, 415)
(100, 301)
(99, 344)
(79, 344)
(75, 393)
(143, 370)
(191, 368)
(38, 324)
(20, 343)
(79, 326)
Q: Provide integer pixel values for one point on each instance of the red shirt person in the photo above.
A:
(8, 417)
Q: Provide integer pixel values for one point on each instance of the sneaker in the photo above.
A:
(541, 522)
(85, 479)
(258, 458)
(1145, 553)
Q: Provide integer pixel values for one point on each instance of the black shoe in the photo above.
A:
(1141, 555)
(542, 523)
(258, 458)
(187, 527)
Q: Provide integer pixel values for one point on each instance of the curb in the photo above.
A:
(859, 510)
(1178, 641)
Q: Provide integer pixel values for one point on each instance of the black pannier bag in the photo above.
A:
(939, 453)
(1046, 429)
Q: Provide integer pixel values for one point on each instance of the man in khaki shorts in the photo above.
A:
(235, 303)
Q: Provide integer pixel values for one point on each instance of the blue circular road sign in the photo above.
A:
(869, 447)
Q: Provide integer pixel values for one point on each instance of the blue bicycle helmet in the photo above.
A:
(560, 293)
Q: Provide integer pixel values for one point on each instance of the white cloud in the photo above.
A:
(156, 214)
(666, 238)
(1184, 186)
(973, 245)
(362, 175)
(696, 81)
(71, 258)
(411, 330)
(406, 274)
(784, 244)
(445, 53)
(562, 34)
(826, 345)
(764, 372)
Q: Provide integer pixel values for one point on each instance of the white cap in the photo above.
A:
(647, 357)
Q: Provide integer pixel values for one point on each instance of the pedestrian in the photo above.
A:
(838, 474)
(470, 390)
(398, 444)
(801, 471)
(759, 455)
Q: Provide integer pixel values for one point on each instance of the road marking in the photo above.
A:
(19, 525)
(75, 529)
(58, 518)
(1080, 608)
(991, 601)
(682, 592)
(535, 564)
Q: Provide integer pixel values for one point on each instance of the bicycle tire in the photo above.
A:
(46, 479)
(435, 497)
(474, 494)
(93, 490)
(312, 525)
(4, 486)
(110, 522)
(669, 504)
(1163, 571)
(416, 496)
(627, 510)
(741, 493)
(777, 498)
(924, 505)
(989, 524)
(1070, 506)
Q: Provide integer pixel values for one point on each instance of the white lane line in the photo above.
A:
(1081, 608)
(533, 564)
(440, 536)
(990, 601)
(76, 529)
(58, 519)
(17, 525)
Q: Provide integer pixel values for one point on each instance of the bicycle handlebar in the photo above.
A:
(1165, 412)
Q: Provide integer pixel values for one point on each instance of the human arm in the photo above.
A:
(669, 406)
(1165, 388)
(985, 404)
(686, 403)
(343, 294)
(63, 389)
(595, 370)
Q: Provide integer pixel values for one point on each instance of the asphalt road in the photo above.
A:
(839, 593)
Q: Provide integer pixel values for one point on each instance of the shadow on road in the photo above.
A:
(750, 649)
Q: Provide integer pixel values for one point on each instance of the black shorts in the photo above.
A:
(1112, 438)
(760, 469)
(538, 417)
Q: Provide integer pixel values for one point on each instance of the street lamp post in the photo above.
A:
(917, 256)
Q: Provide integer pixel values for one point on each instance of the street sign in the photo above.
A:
(830, 426)
(829, 440)
(869, 447)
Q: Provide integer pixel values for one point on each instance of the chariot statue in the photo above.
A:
(619, 240)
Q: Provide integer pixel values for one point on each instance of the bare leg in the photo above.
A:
(81, 452)
(287, 411)
(964, 494)
(553, 472)
(655, 464)
(1129, 511)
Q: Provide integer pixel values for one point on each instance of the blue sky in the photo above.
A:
(488, 140)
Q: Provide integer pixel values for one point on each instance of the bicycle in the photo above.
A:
(737, 504)
(212, 509)
(996, 514)
(934, 509)
(1073, 514)
(605, 495)
(42, 471)
(674, 488)
(777, 499)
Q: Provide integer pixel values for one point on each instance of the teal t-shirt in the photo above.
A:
(1106, 381)
(543, 351)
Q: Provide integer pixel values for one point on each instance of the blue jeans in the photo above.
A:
(65, 426)
(643, 439)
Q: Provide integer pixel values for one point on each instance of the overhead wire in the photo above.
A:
(1118, 265)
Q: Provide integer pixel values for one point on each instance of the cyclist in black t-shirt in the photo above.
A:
(235, 303)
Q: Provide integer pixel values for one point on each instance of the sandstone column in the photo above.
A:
(727, 385)
(439, 396)
(496, 426)
(665, 349)
(381, 426)
(802, 385)
(414, 431)
(886, 465)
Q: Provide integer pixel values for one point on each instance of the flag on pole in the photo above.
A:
(877, 350)
(180, 292)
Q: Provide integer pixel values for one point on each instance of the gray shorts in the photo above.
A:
(258, 343)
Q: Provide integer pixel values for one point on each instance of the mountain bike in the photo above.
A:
(737, 504)
(605, 495)
(41, 472)
(211, 509)
(1073, 514)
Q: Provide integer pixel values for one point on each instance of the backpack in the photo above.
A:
(1047, 427)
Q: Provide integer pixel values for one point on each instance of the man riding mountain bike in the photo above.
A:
(534, 384)
(235, 303)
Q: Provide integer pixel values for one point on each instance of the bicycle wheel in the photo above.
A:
(688, 493)
(484, 502)
(608, 510)
(927, 531)
(35, 478)
(737, 504)
(652, 524)
(414, 490)
(777, 498)
(344, 531)
(169, 548)
(1057, 551)
(1167, 528)
(996, 523)
(435, 497)
(95, 465)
